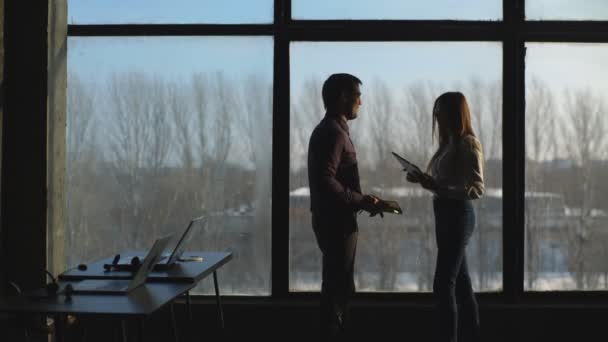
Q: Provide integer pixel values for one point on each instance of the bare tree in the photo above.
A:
(180, 202)
(376, 137)
(255, 126)
(485, 99)
(171, 154)
(541, 145)
(402, 124)
(416, 133)
(203, 129)
(585, 134)
(215, 132)
(139, 149)
(485, 102)
(306, 111)
(381, 123)
(194, 137)
(419, 99)
(235, 176)
(80, 169)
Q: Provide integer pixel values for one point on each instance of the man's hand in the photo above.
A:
(371, 204)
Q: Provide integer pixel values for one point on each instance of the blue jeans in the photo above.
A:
(457, 311)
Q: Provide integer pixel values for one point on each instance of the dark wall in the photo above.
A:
(24, 144)
(395, 320)
(297, 321)
(1, 118)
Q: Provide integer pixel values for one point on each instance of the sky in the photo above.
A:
(176, 57)
(261, 11)
(395, 9)
(397, 63)
(175, 11)
(567, 9)
(577, 66)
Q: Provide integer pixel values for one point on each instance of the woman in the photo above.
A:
(455, 176)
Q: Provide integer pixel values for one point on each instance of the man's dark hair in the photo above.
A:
(335, 85)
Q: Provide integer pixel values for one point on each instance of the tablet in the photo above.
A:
(407, 166)
(391, 207)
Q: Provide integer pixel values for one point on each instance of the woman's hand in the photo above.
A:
(428, 182)
(413, 177)
(425, 180)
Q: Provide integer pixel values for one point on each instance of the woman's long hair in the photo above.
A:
(454, 109)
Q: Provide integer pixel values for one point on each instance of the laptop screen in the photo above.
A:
(149, 261)
(194, 226)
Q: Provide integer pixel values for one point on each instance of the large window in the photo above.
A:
(164, 129)
(197, 107)
(566, 163)
(400, 83)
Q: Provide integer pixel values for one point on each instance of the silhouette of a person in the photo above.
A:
(455, 176)
(335, 199)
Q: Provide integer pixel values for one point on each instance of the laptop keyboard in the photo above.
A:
(115, 285)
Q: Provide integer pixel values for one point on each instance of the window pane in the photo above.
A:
(566, 153)
(170, 12)
(566, 10)
(164, 129)
(398, 9)
(400, 84)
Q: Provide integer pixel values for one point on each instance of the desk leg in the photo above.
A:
(188, 305)
(59, 328)
(123, 330)
(23, 321)
(218, 300)
(140, 328)
(84, 334)
(173, 323)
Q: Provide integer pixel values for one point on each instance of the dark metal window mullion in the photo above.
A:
(280, 153)
(513, 150)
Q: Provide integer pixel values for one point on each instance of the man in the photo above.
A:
(335, 199)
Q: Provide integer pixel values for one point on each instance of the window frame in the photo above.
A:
(514, 31)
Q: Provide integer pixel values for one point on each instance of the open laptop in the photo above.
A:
(176, 255)
(167, 259)
(110, 286)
